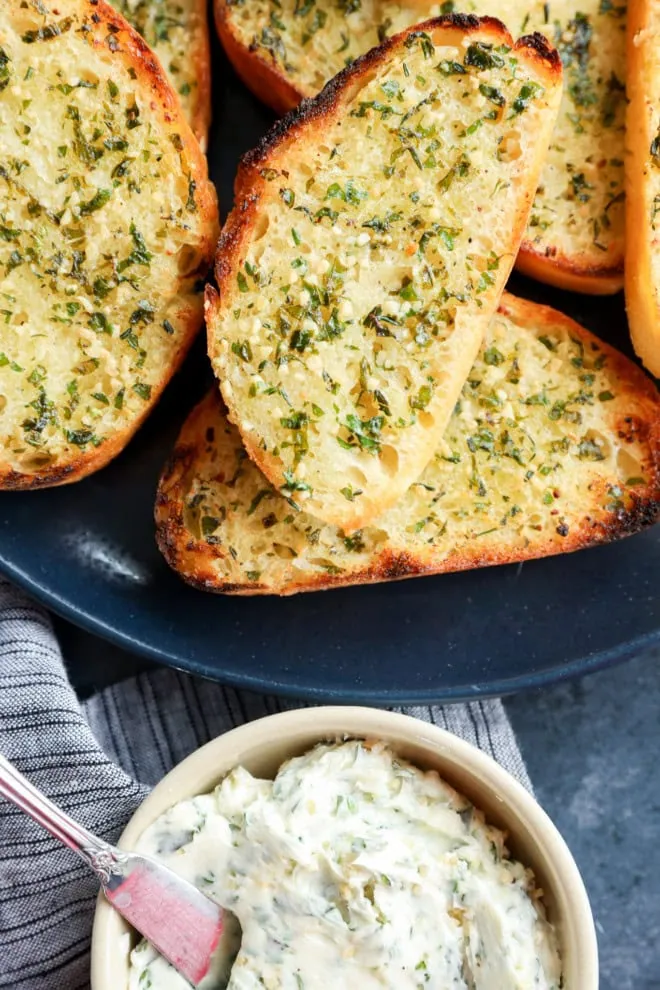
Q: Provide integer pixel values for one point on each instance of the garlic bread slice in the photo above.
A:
(285, 50)
(372, 235)
(177, 31)
(108, 223)
(554, 446)
(643, 182)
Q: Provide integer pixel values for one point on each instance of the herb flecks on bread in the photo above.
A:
(107, 227)
(372, 235)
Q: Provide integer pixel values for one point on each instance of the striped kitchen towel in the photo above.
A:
(97, 761)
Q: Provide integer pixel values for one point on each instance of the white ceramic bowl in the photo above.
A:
(263, 746)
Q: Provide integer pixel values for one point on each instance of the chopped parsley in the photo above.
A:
(363, 433)
(481, 55)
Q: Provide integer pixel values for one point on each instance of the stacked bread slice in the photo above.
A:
(381, 418)
(371, 239)
(589, 218)
(553, 446)
(285, 50)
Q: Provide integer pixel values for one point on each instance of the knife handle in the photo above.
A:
(103, 858)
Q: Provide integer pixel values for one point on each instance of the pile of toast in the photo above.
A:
(385, 408)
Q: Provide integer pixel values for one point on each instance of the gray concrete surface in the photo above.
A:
(593, 752)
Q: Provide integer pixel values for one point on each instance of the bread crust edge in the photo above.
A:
(642, 296)
(568, 272)
(201, 57)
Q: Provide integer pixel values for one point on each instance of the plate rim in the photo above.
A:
(581, 666)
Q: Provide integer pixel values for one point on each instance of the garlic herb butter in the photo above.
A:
(353, 869)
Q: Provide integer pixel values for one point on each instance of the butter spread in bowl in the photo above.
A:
(354, 869)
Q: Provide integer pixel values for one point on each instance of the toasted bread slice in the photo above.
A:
(372, 235)
(643, 181)
(177, 31)
(108, 222)
(554, 446)
(286, 49)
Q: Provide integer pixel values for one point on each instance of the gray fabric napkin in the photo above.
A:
(98, 761)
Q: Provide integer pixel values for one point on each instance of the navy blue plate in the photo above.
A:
(88, 552)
